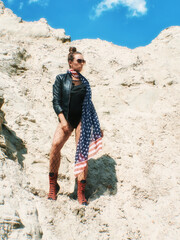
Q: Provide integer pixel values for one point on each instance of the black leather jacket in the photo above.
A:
(61, 93)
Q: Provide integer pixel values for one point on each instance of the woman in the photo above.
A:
(74, 108)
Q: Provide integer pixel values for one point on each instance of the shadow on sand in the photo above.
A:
(14, 146)
(101, 178)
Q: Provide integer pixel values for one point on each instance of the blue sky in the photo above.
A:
(130, 23)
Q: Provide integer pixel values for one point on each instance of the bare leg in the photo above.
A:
(60, 137)
(83, 175)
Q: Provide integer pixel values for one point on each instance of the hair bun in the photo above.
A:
(72, 50)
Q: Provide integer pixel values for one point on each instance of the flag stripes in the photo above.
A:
(90, 141)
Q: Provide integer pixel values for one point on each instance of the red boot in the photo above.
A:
(53, 186)
(81, 192)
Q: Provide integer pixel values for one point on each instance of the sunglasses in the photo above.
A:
(81, 61)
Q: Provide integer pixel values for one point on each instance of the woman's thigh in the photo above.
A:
(60, 137)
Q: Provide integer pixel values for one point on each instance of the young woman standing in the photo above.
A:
(75, 110)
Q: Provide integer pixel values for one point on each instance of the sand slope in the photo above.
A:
(133, 184)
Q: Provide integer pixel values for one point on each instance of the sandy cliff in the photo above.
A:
(133, 184)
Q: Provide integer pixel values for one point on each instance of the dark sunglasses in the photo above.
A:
(81, 61)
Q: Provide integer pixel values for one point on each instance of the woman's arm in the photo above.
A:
(57, 102)
(57, 94)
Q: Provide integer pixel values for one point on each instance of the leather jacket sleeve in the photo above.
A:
(57, 94)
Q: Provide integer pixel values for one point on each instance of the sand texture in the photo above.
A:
(133, 184)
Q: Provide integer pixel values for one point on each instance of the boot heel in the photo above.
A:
(53, 186)
(81, 192)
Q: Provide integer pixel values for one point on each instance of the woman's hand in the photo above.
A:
(102, 133)
(64, 124)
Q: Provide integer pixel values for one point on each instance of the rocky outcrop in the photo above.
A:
(13, 60)
(133, 184)
(2, 7)
(18, 214)
(1, 112)
(14, 28)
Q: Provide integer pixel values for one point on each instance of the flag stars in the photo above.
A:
(90, 128)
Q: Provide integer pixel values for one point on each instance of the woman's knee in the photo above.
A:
(56, 146)
(58, 142)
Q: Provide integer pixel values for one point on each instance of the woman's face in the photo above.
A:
(77, 63)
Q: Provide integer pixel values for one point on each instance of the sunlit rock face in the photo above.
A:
(133, 183)
(14, 28)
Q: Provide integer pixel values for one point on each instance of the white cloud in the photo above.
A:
(43, 3)
(136, 7)
(21, 5)
(32, 1)
(10, 1)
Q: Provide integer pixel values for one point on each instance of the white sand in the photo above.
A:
(133, 185)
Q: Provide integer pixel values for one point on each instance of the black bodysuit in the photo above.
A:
(75, 106)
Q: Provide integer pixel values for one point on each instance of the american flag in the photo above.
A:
(90, 141)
